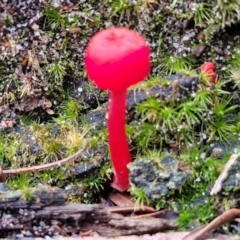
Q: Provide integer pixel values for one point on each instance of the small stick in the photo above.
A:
(127, 209)
(48, 165)
(224, 174)
(226, 217)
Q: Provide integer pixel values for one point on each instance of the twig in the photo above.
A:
(127, 209)
(226, 217)
(224, 174)
(48, 165)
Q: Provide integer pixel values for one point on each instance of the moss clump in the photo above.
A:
(184, 126)
(185, 117)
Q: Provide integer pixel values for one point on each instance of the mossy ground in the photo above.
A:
(46, 95)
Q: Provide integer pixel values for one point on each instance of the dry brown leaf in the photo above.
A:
(121, 199)
(125, 200)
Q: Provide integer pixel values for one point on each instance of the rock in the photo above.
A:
(158, 179)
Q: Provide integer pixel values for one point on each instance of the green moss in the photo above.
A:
(202, 14)
(28, 195)
(54, 177)
(57, 72)
(52, 18)
(169, 64)
(149, 110)
(99, 137)
(21, 182)
(9, 21)
(150, 82)
(227, 12)
(196, 215)
(13, 149)
(208, 114)
(71, 109)
(106, 171)
(139, 197)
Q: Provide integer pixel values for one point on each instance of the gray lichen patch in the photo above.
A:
(158, 179)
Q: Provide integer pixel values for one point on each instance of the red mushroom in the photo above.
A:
(208, 68)
(115, 59)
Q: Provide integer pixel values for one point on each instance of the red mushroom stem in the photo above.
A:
(118, 140)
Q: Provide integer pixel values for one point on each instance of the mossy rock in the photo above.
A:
(158, 179)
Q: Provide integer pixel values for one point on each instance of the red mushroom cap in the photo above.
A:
(207, 67)
(117, 58)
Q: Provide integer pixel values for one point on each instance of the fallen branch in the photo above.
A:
(45, 166)
(226, 217)
(47, 209)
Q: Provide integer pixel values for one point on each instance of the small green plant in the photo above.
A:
(28, 194)
(75, 138)
(21, 181)
(70, 109)
(221, 130)
(226, 12)
(57, 71)
(106, 171)
(223, 107)
(168, 117)
(189, 113)
(221, 125)
(149, 110)
(199, 214)
(157, 111)
(29, 119)
(12, 149)
(155, 155)
(94, 184)
(52, 18)
(192, 156)
(9, 94)
(202, 14)
(173, 64)
(235, 58)
(120, 8)
(53, 148)
(203, 99)
(235, 77)
(145, 135)
(152, 81)
(98, 138)
(9, 21)
(53, 177)
(139, 196)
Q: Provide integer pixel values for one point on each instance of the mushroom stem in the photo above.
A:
(117, 137)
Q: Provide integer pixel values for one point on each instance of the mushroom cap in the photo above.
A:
(117, 58)
(207, 67)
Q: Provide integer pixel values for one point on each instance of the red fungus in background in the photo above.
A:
(115, 59)
(208, 68)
